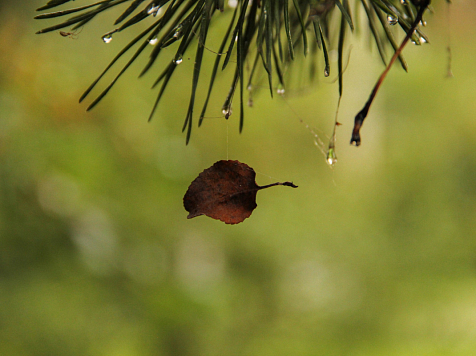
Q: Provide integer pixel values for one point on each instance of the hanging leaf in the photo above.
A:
(226, 191)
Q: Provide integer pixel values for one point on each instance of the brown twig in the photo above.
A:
(360, 117)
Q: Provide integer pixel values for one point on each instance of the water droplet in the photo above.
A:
(107, 38)
(153, 41)
(178, 60)
(153, 10)
(392, 20)
(327, 71)
(227, 111)
(423, 23)
(404, 2)
(280, 90)
(331, 161)
(250, 87)
(232, 3)
(178, 31)
(423, 40)
(331, 157)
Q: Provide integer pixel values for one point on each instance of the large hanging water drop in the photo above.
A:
(153, 41)
(331, 157)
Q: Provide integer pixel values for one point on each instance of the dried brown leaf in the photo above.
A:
(226, 191)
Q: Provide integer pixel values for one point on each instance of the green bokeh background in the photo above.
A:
(374, 257)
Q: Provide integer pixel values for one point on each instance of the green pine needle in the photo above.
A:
(264, 33)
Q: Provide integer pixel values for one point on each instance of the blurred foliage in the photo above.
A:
(375, 257)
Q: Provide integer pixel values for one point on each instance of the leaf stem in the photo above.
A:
(288, 184)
